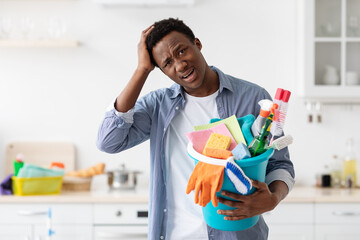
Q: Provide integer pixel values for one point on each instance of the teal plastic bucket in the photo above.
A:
(254, 168)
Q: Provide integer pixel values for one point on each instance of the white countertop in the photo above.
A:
(98, 196)
(297, 195)
(323, 195)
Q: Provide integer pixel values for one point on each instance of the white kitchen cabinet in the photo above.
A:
(120, 221)
(337, 221)
(65, 231)
(291, 221)
(329, 50)
(132, 232)
(16, 231)
(28, 221)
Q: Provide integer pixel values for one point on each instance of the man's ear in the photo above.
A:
(198, 43)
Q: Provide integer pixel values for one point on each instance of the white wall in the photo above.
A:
(61, 94)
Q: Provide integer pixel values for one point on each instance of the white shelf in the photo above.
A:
(146, 3)
(39, 43)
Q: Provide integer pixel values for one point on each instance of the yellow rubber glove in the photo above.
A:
(206, 180)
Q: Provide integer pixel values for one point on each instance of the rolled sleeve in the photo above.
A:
(127, 116)
(282, 175)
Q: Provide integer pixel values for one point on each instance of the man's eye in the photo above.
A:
(182, 51)
(167, 63)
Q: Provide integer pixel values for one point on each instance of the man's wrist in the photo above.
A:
(279, 190)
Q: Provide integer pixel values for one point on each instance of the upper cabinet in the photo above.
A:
(329, 50)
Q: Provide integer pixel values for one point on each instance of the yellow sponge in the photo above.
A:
(218, 141)
(217, 153)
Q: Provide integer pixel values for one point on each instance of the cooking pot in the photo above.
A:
(122, 178)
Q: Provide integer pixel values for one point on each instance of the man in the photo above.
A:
(164, 116)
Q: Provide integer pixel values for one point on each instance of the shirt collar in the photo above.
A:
(224, 84)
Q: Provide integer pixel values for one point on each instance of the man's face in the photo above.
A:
(181, 60)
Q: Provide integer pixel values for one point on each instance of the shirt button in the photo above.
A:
(177, 108)
(119, 125)
(161, 237)
(164, 129)
(165, 210)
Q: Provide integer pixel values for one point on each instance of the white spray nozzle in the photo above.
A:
(266, 104)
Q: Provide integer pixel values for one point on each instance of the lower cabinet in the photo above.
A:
(290, 221)
(314, 221)
(109, 221)
(32, 222)
(120, 221)
(16, 231)
(337, 221)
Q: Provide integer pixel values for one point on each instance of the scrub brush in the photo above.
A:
(237, 177)
(281, 142)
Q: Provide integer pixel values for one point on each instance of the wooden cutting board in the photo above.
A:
(41, 154)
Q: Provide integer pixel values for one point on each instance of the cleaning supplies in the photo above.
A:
(265, 107)
(241, 151)
(206, 180)
(217, 141)
(241, 182)
(18, 164)
(281, 100)
(231, 123)
(217, 153)
(260, 143)
(199, 138)
(34, 171)
(281, 142)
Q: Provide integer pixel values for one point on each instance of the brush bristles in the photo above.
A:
(282, 142)
(238, 178)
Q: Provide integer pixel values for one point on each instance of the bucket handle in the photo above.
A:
(214, 161)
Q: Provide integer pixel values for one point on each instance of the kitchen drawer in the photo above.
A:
(120, 213)
(290, 213)
(340, 213)
(37, 213)
(65, 231)
(129, 232)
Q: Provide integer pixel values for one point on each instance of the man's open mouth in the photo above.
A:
(188, 74)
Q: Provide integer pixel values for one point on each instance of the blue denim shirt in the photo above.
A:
(150, 119)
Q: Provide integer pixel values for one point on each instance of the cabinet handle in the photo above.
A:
(118, 213)
(112, 235)
(344, 213)
(31, 213)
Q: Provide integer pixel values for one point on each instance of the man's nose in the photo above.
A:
(180, 65)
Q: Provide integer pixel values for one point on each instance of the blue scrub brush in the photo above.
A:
(237, 177)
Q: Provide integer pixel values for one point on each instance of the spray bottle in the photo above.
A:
(265, 107)
(260, 143)
(281, 99)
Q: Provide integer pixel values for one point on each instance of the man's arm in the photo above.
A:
(118, 126)
(127, 98)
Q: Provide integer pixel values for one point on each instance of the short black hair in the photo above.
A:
(163, 28)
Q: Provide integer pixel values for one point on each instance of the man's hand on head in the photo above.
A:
(144, 61)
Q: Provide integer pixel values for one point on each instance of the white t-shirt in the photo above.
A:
(185, 219)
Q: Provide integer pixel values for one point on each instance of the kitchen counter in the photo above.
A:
(98, 196)
(297, 195)
(323, 195)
